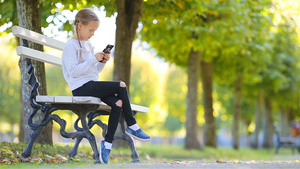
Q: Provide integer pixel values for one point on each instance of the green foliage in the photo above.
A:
(8, 14)
(172, 124)
(9, 85)
(257, 39)
(144, 88)
(53, 13)
(175, 91)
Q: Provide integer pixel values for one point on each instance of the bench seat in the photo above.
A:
(84, 100)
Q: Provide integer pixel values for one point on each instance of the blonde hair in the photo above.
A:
(85, 16)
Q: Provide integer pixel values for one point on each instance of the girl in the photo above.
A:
(81, 68)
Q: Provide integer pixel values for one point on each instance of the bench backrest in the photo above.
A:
(39, 39)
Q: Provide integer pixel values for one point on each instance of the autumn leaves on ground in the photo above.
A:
(10, 153)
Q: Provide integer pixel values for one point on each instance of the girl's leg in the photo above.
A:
(123, 95)
(106, 90)
(114, 117)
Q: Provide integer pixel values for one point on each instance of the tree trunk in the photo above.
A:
(210, 124)
(21, 123)
(268, 125)
(129, 14)
(285, 129)
(237, 112)
(259, 109)
(12, 134)
(191, 124)
(29, 18)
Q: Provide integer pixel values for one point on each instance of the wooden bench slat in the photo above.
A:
(37, 38)
(38, 55)
(138, 108)
(84, 100)
(68, 99)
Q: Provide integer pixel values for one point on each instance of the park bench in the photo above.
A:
(287, 142)
(86, 108)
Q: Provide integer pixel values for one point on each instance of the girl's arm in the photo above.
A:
(72, 64)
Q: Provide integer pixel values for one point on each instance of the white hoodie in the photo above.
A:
(78, 71)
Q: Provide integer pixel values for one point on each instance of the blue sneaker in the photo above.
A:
(139, 134)
(104, 153)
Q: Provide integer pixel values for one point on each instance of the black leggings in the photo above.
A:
(109, 92)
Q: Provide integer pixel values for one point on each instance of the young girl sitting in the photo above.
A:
(81, 68)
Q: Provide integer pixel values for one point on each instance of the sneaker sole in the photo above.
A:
(100, 153)
(137, 138)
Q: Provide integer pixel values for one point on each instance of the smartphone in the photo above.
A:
(108, 48)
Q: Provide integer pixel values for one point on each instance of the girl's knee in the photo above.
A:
(122, 84)
(119, 103)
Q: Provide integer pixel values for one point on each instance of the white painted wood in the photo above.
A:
(45, 99)
(63, 99)
(84, 100)
(138, 108)
(87, 99)
(38, 55)
(37, 38)
(68, 99)
(104, 106)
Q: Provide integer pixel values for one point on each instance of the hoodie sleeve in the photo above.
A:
(72, 63)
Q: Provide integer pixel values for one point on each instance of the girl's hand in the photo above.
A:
(99, 56)
(106, 57)
(102, 57)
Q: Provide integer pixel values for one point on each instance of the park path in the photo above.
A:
(202, 165)
(293, 164)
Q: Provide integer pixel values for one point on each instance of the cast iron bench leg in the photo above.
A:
(91, 123)
(89, 136)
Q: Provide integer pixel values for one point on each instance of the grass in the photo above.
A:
(210, 154)
(58, 154)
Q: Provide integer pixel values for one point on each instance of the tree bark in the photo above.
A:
(129, 14)
(258, 114)
(268, 126)
(210, 124)
(21, 123)
(237, 112)
(285, 129)
(29, 18)
(191, 124)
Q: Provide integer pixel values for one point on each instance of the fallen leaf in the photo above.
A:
(50, 157)
(219, 161)
(15, 160)
(74, 159)
(36, 160)
(61, 158)
(5, 161)
(25, 159)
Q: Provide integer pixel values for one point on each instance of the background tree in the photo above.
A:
(29, 18)
(156, 24)
(240, 54)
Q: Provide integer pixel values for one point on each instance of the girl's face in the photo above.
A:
(85, 32)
